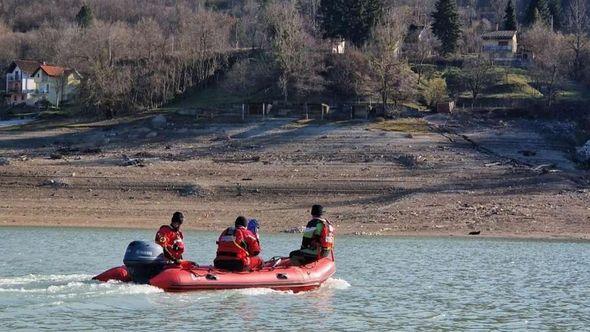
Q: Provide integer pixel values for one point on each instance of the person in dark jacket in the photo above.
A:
(318, 239)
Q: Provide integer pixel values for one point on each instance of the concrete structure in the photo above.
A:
(446, 107)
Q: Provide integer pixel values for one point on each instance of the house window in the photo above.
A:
(503, 43)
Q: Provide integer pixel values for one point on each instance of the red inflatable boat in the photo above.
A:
(276, 274)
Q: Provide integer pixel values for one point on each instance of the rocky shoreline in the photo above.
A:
(451, 179)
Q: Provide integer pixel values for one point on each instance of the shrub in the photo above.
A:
(435, 91)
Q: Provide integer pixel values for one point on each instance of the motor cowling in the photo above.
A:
(144, 260)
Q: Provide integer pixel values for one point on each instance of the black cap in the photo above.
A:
(177, 217)
(241, 221)
(317, 210)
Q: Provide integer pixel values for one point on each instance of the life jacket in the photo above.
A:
(171, 240)
(327, 236)
(313, 241)
(229, 249)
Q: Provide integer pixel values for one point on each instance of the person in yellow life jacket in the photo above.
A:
(171, 238)
(318, 239)
(238, 248)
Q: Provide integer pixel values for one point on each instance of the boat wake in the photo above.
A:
(259, 291)
(335, 283)
(41, 278)
(69, 285)
(330, 284)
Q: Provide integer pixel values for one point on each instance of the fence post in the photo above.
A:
(243, 112)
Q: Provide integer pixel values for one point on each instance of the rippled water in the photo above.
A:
(380, 284)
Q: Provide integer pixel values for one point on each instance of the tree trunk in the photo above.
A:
(384, 94)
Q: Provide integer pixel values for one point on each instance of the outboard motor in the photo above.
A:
(144, 260)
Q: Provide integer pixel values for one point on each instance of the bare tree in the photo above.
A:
(293, 51)
(349, 74)
(9, 45)
(421, 50)
(250, 29)
(578, 41)
(392, 76)
(421, 10)
(308, 8)
(478, 74)
(252, 76)
(471, 36)
(498, 7)
(550, 63)
(471, 10)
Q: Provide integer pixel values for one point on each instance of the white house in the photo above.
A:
(20, 85)
(337, 45)
(500, 45)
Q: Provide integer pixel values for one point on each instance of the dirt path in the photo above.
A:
(371, 181)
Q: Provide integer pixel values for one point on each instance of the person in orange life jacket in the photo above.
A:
(318, 239)
(171, 239)
(238, 248)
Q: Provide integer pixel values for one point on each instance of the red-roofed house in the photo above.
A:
(31, 81)
(56, 84)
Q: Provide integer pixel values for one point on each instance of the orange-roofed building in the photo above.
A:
(56, 84)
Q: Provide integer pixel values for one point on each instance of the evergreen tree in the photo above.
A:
(84, 17)
(331, 17)
(510, 22)
(542, 7)
(352, 20)
(446, 26)
(556, 13)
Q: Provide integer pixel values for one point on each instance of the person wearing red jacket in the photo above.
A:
(238, 248)
(171, 239)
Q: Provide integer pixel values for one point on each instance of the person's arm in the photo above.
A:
(253, 245)
(162, 240)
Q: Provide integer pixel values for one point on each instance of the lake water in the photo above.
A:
(14, 122)
(381, 283)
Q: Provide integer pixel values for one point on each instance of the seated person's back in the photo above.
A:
(238, 248)
(318, 239)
